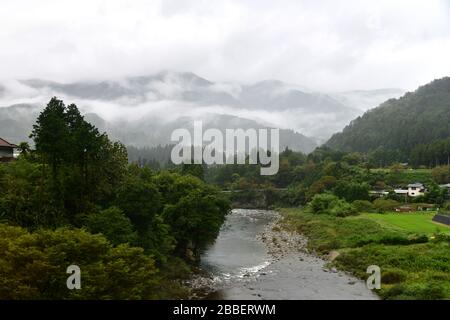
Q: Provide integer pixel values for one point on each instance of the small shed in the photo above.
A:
(404, 209)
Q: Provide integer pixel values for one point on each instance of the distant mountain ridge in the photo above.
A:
(420, 117)
(168, 96)
(16, 124)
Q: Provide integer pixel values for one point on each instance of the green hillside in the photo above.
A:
(413, 128)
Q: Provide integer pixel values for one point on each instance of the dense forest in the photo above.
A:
(74, 199)
(414, 129)
(349, 176)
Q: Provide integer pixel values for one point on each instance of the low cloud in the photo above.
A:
(328, 45)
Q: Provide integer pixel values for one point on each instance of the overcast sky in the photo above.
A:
(323, 44)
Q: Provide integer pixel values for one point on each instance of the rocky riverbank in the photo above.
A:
(280, 242)
(287, 271)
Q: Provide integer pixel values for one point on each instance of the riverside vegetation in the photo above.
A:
(75, 199)
(328, 195)
(413, 266)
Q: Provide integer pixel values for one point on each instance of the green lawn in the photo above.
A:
(418, 222)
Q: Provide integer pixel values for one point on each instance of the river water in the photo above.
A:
(242, 268)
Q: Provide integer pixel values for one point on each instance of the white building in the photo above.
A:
(402, 192)
(416, 190)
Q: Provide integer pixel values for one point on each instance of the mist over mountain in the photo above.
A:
(143, 111)
(414, 127)
(16, 122)
(367, 99)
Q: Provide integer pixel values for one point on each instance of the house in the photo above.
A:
(416, 190)
(6, 150)
(379, 193)
(426, 207)
(446, 186)
(401, 192)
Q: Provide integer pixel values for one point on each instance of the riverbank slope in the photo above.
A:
(413, 266)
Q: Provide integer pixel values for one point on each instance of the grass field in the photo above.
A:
(418, 222)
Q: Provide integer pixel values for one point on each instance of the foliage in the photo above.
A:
(113, 224)
(363, 206)
(412, 267)
(383, 205)
(441, 174)
(322, 202)
(33, 266)
(326, 232)
(84, 165)
(419, 271)
(26, 197)
(330, 204)
(351, 191)
(436, 194)
(78, 178)
(413, 127)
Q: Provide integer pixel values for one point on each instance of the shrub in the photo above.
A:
(441, 174)
(341, 208)
(392, 276)
(383, 205)
(418, 239)
(446, 206)
(420, 291)
(330, 204)
(351, 191)
(320, 203)
(363, 206)
(113, 224)
(440, 237)
(33, 266)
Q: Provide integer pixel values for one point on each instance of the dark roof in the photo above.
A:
(415, 185)
(4, 143)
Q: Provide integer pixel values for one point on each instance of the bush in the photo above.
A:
(341, 208)
(363, 206)
(320, 203)
(419, 291)
(330, 204)
(383, 205)
(418, 239)
(441, 174)
(33, 266)
(392, 276)
(441, 237)
(113, 224)
(351, 191)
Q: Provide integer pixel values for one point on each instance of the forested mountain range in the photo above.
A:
(142, 110)
(148, 131)
(414, 128)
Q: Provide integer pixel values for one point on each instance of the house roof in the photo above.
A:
(4, 143)
(401, 191)
(415, 185)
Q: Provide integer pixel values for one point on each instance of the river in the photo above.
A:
(241, 266)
